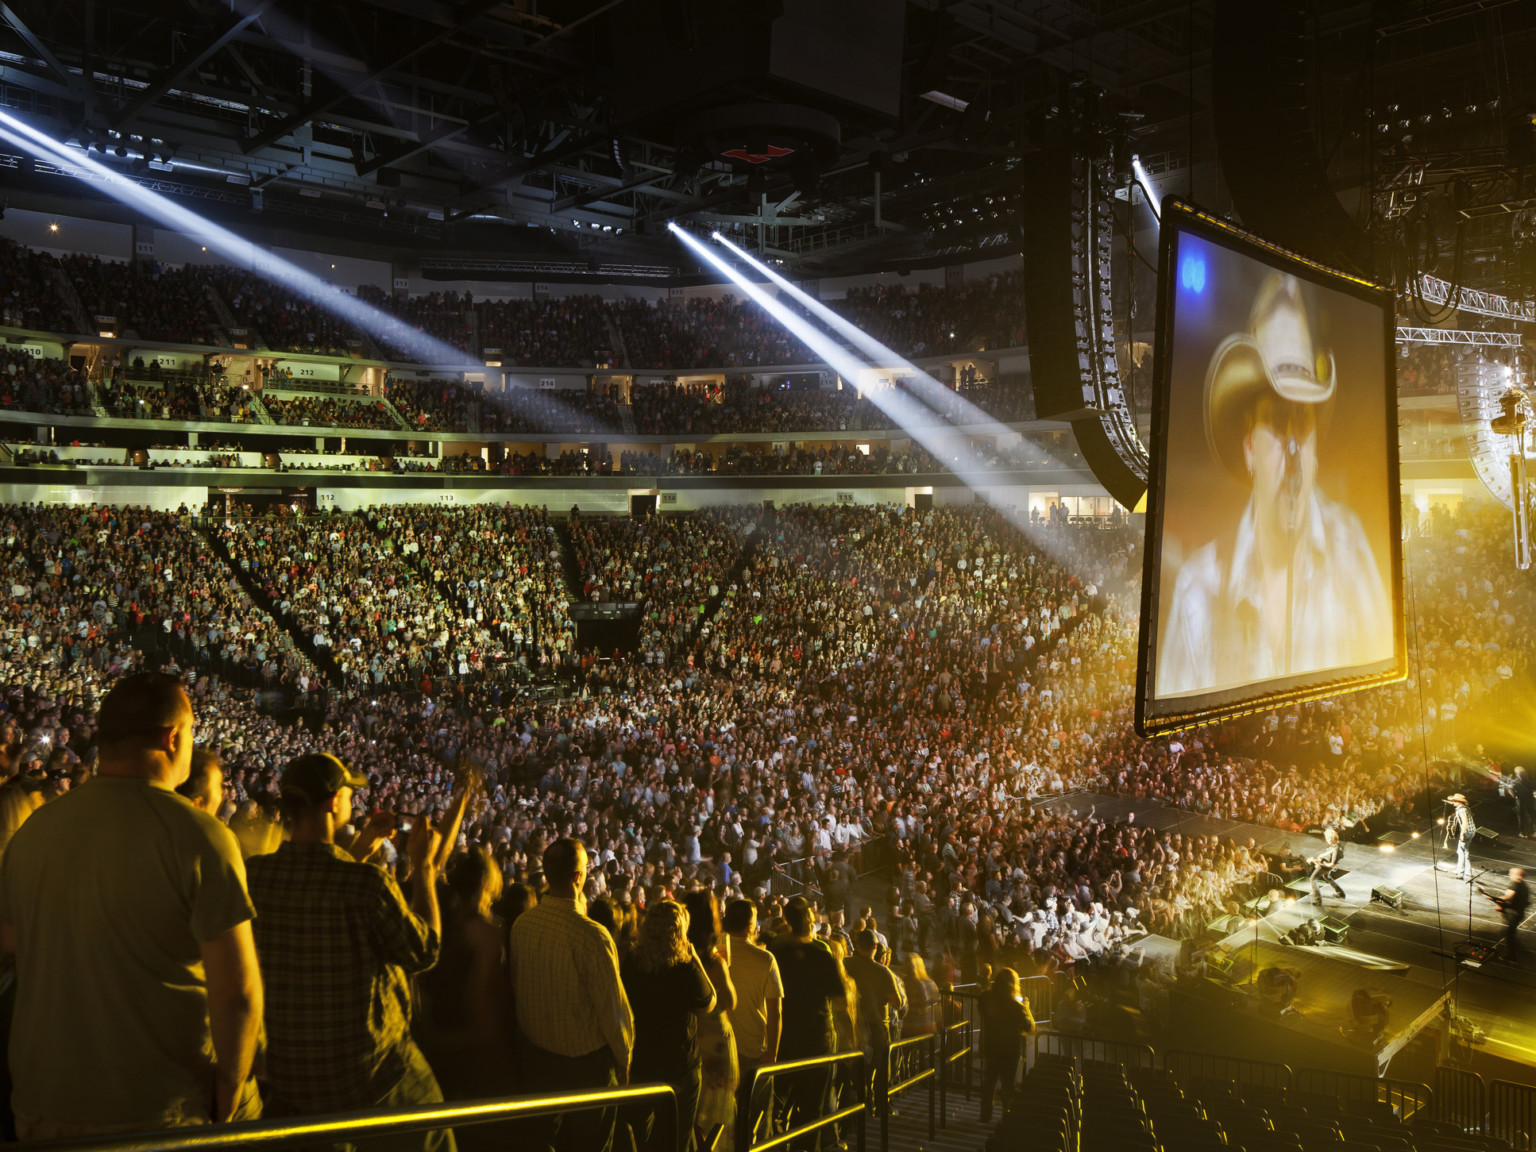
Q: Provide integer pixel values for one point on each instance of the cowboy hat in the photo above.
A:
(1455, 798)
(1277, 355)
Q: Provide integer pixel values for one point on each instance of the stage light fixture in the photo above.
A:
(1154, 201)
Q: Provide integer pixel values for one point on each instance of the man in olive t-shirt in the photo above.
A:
(138, 999)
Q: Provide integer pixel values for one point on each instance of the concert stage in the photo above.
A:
(1415, 955)
(1234, 1019)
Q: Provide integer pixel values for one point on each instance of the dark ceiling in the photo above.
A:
(510, 136)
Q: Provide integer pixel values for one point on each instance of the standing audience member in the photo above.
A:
(1005, 1018)
(572, 1013)
(139, 1000)
(466, 997)
(717, 1044)
(759, 996)
(338, 943)
(17, 802)
(667, 983)
(204, 785)
(922, 999)
(882, 999)
(813, 989)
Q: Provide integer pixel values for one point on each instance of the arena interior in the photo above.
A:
(575, 574)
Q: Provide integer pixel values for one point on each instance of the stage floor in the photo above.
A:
(1438, 913)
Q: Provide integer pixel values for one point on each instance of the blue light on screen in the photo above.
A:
(1192, 272)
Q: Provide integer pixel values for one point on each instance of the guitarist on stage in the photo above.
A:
(1323, 865)
(1512, 906)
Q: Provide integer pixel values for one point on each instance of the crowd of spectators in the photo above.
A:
(39, 384)
(27, 298)
(972, 316)
(286, 321)
(378, 609)
(705, 332)
(500, 562)
(550, 410)
(549, 332)
(877, 690)
(562, 331)
(1430, 369)
(151, 300)
(328, 412)
(436, 405)
(701, 409)
(81, 580)
(670, 567)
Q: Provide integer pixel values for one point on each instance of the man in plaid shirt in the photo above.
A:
(338, 944)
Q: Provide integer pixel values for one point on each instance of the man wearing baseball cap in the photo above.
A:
(338, 944)
(1295, 587)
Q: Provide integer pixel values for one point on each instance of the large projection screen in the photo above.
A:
(1273, 562)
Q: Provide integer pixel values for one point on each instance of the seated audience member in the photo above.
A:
(139, 1000)
(338, 943)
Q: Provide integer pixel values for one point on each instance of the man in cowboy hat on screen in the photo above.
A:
(1295, 587)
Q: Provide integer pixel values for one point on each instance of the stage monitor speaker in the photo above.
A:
(1487, 837)
(1391, 897)
(1335, 931)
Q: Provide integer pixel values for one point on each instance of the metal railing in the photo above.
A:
(1461, 1098)
(956, 1043)
(1091, 1050)
(826, 1080)
(1406, 1098)
(908, 1063)
(1187, 1067)
(1512, 1113)
(350, 1128)
(1039, 991)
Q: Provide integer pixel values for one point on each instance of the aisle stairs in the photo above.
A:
(83, 320)
(324, 661)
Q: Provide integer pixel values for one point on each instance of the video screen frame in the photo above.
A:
(1157, 715)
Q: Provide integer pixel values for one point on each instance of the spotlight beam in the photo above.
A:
(236, 249)
(942, 441)
(428, 350)
(929, 390)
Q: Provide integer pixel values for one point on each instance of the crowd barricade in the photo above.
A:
(907, 1063)
(789, 1101)
(652, 1105)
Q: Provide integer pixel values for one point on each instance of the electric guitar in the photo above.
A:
(1499, 901)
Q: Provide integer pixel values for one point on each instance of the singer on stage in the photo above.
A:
(1461, 829)
(1293, 586)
